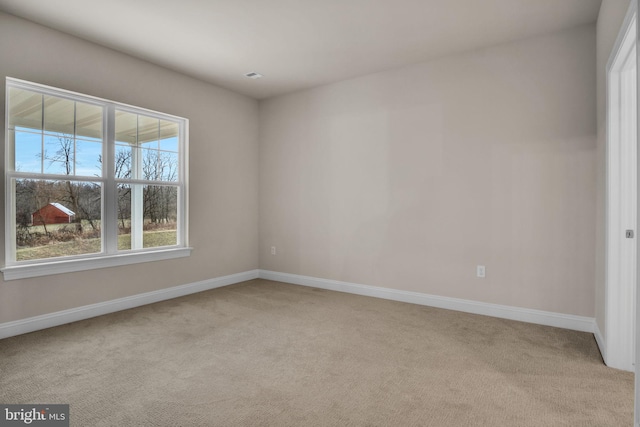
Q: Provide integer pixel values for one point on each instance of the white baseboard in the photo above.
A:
(600, 341)
(559, 320)
(36, 323)
(566, 321)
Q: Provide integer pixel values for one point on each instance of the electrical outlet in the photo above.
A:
(273, 250)
(481, 271)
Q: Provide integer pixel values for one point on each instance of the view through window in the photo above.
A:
(90, 177)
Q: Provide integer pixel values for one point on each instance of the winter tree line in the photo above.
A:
(84, 198)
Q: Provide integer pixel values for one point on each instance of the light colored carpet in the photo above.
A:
(272, 354)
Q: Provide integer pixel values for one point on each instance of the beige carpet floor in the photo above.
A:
(272, 354)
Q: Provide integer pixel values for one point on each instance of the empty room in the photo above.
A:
(286, 213)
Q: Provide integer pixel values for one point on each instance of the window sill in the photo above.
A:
(102, 261)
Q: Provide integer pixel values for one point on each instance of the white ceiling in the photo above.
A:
(298, 44)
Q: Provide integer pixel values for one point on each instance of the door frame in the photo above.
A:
(621, 155)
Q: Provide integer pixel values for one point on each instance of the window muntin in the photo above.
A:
(58, 153)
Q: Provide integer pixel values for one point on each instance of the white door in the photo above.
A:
(622, 197)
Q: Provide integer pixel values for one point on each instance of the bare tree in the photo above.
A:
(31, 195)
(123, 171)
(81, 197)
(65, 156)
(159, 200)
(88, 195)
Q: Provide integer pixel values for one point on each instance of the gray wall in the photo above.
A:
(223, 166)
(404, 179)
(409, 178)
(610, 18)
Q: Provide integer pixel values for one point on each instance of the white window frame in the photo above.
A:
(110, 255)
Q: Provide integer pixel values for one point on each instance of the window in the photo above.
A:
(90, 183)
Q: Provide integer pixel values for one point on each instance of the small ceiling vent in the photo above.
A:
(253, 75)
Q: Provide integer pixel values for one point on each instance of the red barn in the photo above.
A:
(53, 213)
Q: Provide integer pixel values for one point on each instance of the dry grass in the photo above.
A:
(151, 239)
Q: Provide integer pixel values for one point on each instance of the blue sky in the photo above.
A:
(29, 145)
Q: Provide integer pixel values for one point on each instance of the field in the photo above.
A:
(78, 246)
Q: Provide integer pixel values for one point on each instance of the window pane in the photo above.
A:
(168, 166)
(89, 121)
(123, 161)
(59, 115)
(168, 136)
(124, 217)
(28, 151)
(25, 109)
(57, 218)
(126, 127)
(64, 120)
(151, 165)
(169, 144)
(148, 131)
(152, 221)
(160, 207)
(88, 158)
(59, 154)
(159, 165)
